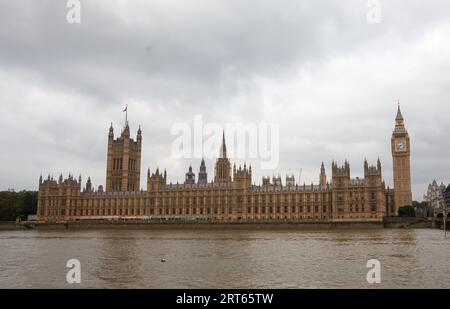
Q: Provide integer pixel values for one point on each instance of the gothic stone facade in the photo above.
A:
(231, 196)
(435, 195)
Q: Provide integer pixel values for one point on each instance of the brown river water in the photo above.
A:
(410, 258)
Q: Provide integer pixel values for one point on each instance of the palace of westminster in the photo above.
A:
(231, 196)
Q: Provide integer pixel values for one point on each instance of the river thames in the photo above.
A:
(410, 258)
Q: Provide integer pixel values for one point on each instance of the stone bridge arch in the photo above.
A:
(439, 218)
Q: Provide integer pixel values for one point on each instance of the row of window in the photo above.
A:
(228, 198)
(263, 198)
(151, 203)
(190, 211)
(140, 212)
(185, 211)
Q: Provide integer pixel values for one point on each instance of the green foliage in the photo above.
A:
(17, 204)
(420, 204)
(406, 211)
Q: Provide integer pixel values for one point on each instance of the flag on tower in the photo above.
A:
(126, 114)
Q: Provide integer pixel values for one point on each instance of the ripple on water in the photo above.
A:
(229, 259)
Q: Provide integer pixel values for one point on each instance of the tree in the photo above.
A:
(17, 204)
(406, 211)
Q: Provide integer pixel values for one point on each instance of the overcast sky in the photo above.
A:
(330, 79)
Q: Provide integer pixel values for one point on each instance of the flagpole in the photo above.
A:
(126, 114)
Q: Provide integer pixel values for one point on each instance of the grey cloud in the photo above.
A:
(192, 49)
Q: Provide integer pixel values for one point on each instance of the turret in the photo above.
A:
(276, 181)
(323, 176)
(340, 174)
(242, 176)
(111, 133)
(202, 175)
(89, 185)
(372, 170)
(139, 135)
(290, 180)
(190, 177)
(156, 180)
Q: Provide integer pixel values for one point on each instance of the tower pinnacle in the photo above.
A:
(323, 175)
(399, 116)
(223, 148)
(223, 165)
(399, 122)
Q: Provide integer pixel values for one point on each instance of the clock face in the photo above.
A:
(400, 145)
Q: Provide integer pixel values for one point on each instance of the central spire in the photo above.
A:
(223, 148)
(223, 166)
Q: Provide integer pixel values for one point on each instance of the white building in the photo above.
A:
(435, 195)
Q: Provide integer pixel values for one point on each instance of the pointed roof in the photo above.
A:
(202, 169)
(399, 113)
(223, 147)
(399, 122)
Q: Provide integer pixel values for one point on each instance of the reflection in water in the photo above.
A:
(225, 258)
(117, 258)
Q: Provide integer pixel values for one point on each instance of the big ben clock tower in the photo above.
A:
(400, 146)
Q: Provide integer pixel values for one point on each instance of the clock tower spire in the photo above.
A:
(400, 147)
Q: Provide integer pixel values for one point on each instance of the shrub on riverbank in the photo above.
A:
(17, 204)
